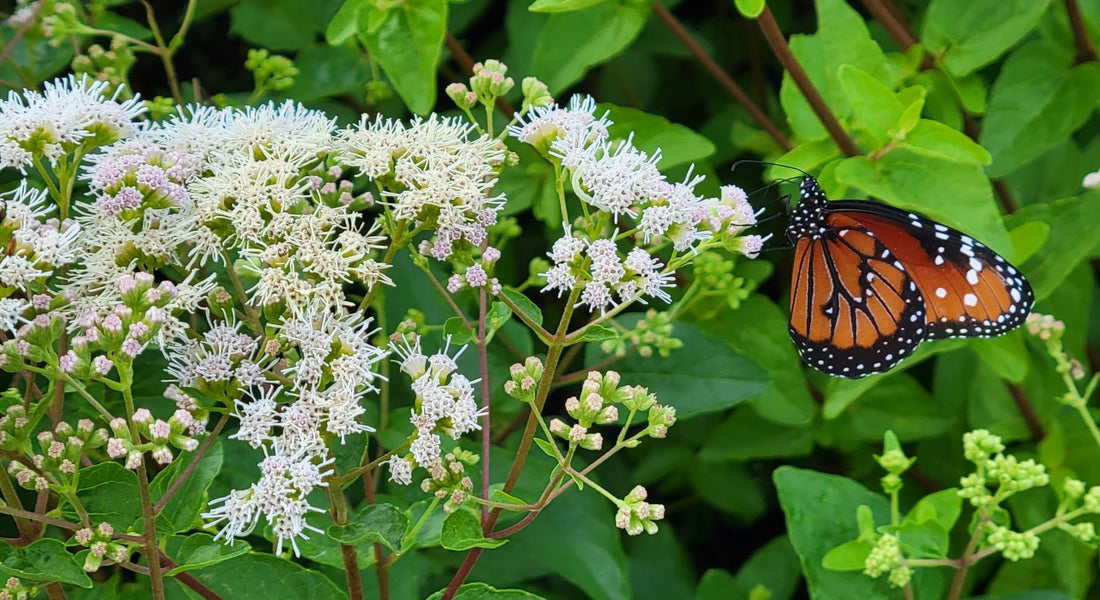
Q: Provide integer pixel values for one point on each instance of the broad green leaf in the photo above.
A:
(842, 38)
(730, 487)
(498, 314)
(1073, 223)
(345, 23)
(523, 304)
(774, 566)
(458, 331)
(745, 435)
(529, 185)
(383, 523)
(955, 194)
(897, 402)
(921, 539)
(594, 560)
(705, 375)
(598, 333)
(849, 556)
(969, 35)
(483, 591)
(1039, 99)
(189, 499)
(937, 140)
(266, 577)
(659, 566)
(325, 70)
(281, 24)
(1006, 355)
(679, 144)
(109, 492)
(874, 105)
(820, 512)
(200, 550)
(568, 44)
(462, 531)
(557, 6)
(407, 40)
(749, 9)
(1028, 238)
(943, 506)
(43, 560)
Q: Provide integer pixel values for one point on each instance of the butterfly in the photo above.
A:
(870, 282)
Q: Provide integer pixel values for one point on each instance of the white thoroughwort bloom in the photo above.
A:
(445, 403)
(440, 173)
(54, 122)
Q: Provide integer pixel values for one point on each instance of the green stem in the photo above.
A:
(149, 517)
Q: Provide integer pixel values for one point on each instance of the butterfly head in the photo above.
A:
(808, 216)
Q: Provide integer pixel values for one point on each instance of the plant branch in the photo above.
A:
(1086, 51)
(783, 52)
(1027, 411)
(719, 75)
(483, 363)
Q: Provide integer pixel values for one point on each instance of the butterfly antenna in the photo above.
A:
(752, 161)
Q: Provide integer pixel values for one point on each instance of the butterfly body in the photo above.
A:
(870, 282)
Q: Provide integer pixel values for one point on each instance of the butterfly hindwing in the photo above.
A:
(854, 310)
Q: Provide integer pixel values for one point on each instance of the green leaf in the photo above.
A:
(383, 523)
(875, 106)
(529, 185)
(937, 140)
(943, 506)
(568, 44)
(281, 24)
(750, 9)
(483, 591)
(660, 567)
(188, 501)
(345, 24)
(745, 435)
(523, 304)
(730, 487)
(594, 560)
(498, 315)
(955, 194)
(457, 330)
(969, 35)
(849, 556)
(43, 560)
(109, 493)
(1037, 102)
(787, 399)
(1073, 223)
(1007, 355)
(773, 566)
(407, 40)
(546, 447)
(704, 376)
(820, 516)
(462, 531)
(262, 576)
(921, 539)
(558, 6)
(899, 402)
(200, 550)
(679, 144)
(598, 333)
(325, 71)
(842, 38)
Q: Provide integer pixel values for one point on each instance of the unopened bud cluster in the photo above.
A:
(102, 545)
(448, 479)
(59, 450)
(524, 379)
(650, 334)
(15, 590)
(598, 404)
(886, 557)
(635, 515)
(1007, 474)
(159, 435)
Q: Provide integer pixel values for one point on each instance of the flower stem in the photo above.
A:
(148, 513)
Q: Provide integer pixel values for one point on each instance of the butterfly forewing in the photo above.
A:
(969, 290)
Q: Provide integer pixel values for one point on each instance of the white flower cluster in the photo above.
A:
(434, 173)
(444, 403)
(55, 122)
(314, 396)
(33, 244)
(623, 181)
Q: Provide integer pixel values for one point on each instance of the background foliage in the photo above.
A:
(978, 113)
